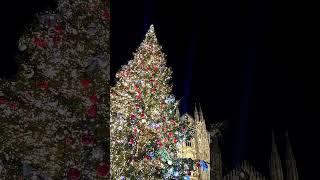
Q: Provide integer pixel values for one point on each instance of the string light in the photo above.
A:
(142, 97)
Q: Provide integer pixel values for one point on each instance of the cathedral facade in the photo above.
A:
(198, 148)
(204, 146)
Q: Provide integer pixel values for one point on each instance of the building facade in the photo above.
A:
(198, 148)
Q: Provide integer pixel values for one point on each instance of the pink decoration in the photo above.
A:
(40, 42)
(106, 15)
(87, 139)
(13, 106)
(85, 83)
(43, 85)
(92, 111)
(58, 28)
(131, 141)
(3, 101)
(142, 115)
(93, 99)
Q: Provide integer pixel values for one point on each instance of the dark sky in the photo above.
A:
(246, 62)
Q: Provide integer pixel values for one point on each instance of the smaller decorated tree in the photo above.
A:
(54, 114)
(145, 127)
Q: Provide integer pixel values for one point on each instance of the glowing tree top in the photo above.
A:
(144, 125)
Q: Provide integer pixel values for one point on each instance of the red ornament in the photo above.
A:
(58, 28)
(3, 101)
(73, 174)
(147, 157)
(43, 85)
(165, 140)
(93, 99)
(87, 139)
(106, 15)
(155, 68)
(39, 42)
(85, 83)
(142, 115)
(173, 122)
(135, 130)
(170, 134)
(175, 140)
(131, 141)
(102, 170)
(198, 164)
(92, 111)
(133, 116)
(13, 106)
(136, 87)
(138, 96)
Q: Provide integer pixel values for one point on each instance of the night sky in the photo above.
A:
(246, 62)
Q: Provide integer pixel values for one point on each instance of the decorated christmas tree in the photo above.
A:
(145, 128)
(54, 114)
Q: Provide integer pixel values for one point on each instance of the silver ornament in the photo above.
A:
(22, 47)
(92, 29)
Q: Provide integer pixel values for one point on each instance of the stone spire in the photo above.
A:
(196, 115)
(177, 112)
(275, 162)
(200, 113)
(292, 172)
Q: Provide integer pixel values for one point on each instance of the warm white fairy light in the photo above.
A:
(142, 114)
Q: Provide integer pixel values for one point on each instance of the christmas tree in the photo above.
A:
(145, 128)
(54, 113)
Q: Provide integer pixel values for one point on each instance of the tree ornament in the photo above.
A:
(73, 174)
(43, 85)
(102, 170)
(170, 134)
(133, 117)
(22, 47)
(92, 29)
(92, 111)
(87, 139)
(170, 99)
(93, 99)
(85, 83)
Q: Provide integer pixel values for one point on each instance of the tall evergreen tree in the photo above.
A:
(145, 128)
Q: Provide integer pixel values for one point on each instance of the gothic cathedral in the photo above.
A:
(204, 147)
(198, 148)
